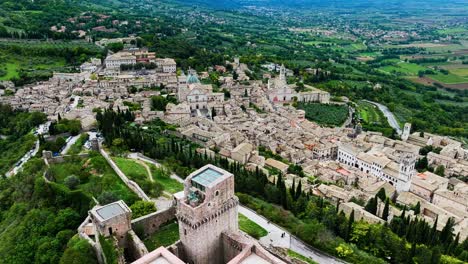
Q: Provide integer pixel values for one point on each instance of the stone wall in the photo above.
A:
(231, 246)
(63, 158)
(132, 185)
(136, 248)
(150, 223)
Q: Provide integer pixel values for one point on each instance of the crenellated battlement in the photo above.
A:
(231, 203)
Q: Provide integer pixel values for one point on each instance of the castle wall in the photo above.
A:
(62, 159)
(150, 223)
(232, 247)
(135, 246)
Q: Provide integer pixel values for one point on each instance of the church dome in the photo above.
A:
(192, 79)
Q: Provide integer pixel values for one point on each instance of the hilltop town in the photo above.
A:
(255, 124)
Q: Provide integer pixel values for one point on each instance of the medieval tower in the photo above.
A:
(406, 172)
(406, 132)
(207, 209)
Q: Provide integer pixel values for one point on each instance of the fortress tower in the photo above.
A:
(406, 172)
(206, 211)
(406, 132)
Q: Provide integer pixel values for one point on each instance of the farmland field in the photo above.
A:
(448, 78)
(403, 68)
(463, 72)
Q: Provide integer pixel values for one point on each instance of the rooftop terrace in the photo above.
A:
(206, 177)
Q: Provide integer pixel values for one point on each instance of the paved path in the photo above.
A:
(350, 117)
(287, 241)
(389, 115)
(70, 143)
(24, 159)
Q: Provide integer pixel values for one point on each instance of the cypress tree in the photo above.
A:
(417, 208)
(293, 189)
(386, 209)
(381, 194)
(446, 235)
(371, 206)
(299, 190)
(350, 226)
(434, 232)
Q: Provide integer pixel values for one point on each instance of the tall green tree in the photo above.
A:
(386, 209)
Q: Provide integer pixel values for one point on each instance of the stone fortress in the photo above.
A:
(207, 215)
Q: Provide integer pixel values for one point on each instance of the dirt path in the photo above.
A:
(150, 175)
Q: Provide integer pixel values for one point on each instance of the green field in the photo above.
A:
(130, 167)
(403, 68)
(448, 78)
(10, 69)
(453, 30)
(165, 236)
(251, 228)
(462, 72)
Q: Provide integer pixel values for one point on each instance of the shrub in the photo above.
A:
(107, 198)
(72, 182)
(141, 208)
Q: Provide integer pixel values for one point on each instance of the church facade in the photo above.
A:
(280, 92)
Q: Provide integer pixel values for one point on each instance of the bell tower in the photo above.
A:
(406, 172)
(406, 132)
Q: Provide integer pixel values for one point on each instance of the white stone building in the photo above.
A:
(114, 61)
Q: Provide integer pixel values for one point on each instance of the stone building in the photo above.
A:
(426, 183)
(207, 209)
(398, 170)
(113, 219)
(114, 61)
(166, 65)
(280, 92)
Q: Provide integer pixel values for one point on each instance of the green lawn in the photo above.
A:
(453, 30)
(130, 167)
(138, 173)
(295, 255)
(165, 236)
(163, 177)
(12, 65)
(251, 228)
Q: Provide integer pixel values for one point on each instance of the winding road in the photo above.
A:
(389, 115)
